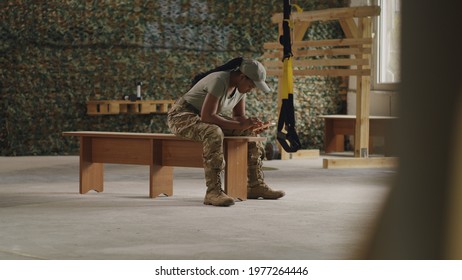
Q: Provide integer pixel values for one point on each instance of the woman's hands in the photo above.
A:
(249, 123)
(263, 127)
(254, 124)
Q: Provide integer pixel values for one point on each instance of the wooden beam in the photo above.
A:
(319, 52)
(349, 27)
(330, 14)
(300, 29)
(322, 43)
(319, 62)
(333, 51)
(322, 72)
(314, 153)
(379, 162)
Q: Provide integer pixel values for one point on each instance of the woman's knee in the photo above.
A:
(213, 134)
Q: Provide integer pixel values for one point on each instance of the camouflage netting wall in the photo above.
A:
(56, 55)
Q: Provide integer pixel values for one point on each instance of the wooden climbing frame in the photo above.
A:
(350, 56)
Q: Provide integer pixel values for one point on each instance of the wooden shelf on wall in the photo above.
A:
(115, 107)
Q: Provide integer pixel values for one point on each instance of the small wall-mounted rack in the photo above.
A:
(114, 107)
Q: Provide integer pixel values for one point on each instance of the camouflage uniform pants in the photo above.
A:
(184, 120)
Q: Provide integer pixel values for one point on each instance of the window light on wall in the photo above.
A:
(387, 48)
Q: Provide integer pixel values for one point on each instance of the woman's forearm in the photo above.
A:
(224, 123)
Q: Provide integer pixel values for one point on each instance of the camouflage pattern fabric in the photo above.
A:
(184, 122)
(57, 55)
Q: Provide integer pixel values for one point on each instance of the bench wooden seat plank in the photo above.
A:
(161, 152)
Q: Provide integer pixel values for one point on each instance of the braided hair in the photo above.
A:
(233, 64)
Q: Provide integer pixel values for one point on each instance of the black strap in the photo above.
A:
(289, 140)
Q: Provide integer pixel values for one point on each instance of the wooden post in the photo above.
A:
(363, 84)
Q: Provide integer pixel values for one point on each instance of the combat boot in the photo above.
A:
(263, 191)
(257, 188)
(215, 195)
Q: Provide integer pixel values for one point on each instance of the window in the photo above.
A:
(386, 70)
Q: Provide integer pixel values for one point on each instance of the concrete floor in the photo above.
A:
(326, 213)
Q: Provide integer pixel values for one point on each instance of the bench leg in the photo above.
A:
(161, 181)
(160, 177)
(91, 174)
(236, 169)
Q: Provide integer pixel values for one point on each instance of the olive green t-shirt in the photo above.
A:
(216, 84)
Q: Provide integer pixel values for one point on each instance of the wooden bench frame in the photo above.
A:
(337, 126)
(161, 152)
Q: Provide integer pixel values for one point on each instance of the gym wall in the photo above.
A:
(56, 55)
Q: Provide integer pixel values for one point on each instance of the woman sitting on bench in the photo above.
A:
(200, 116)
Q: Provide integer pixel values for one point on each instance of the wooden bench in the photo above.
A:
(337, 126)
(161, 152)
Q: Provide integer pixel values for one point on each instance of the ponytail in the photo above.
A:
(233, 64)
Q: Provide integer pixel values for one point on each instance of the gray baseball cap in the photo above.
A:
(256, 72)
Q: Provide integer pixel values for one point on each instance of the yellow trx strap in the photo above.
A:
(286, 135)
(287, 78)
